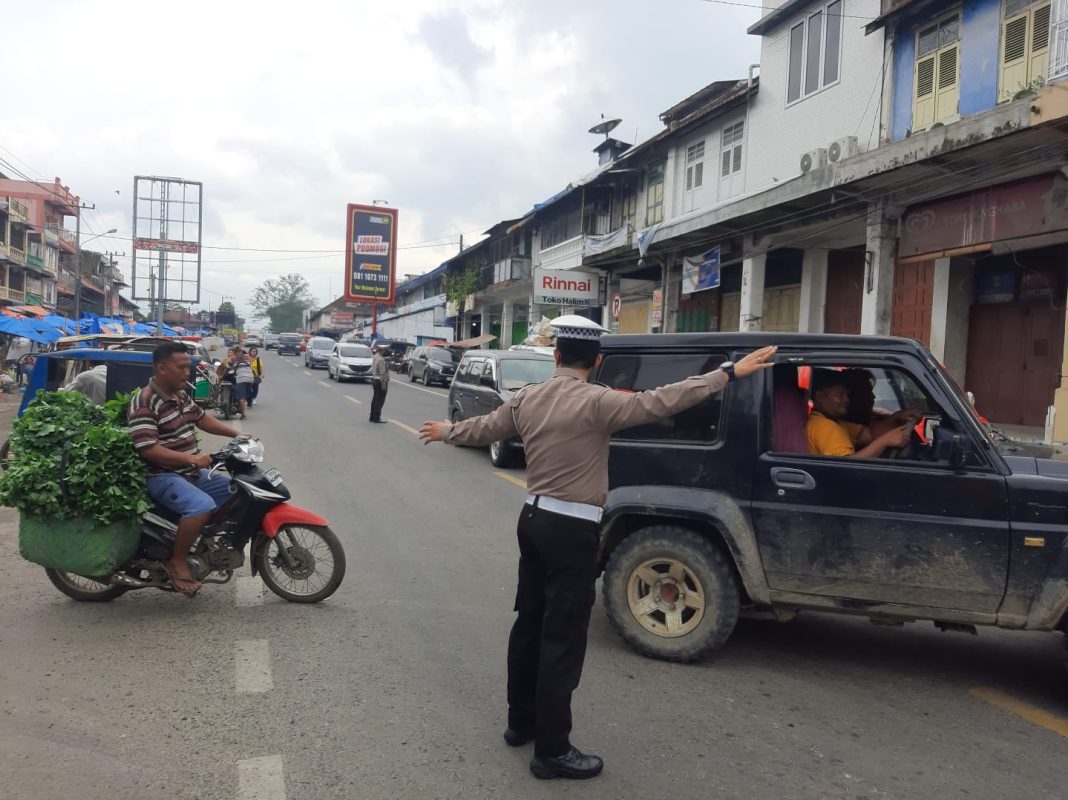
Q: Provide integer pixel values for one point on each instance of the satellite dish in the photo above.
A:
(605, 126)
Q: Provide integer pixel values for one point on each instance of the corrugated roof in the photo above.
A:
(895, 9)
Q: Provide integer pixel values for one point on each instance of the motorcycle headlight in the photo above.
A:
(250, 451)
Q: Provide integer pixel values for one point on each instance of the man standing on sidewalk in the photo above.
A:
(379, 383)
(565, 423)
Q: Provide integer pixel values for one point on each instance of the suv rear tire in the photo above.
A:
(689, 590)
(500, 454)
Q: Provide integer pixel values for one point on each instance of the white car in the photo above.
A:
(349, 362)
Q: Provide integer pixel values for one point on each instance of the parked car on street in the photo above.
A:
(724, 507)
(289, 344)
(270, 341)
(349, 362)
(317, 353)
(485, 379)
(432, 365)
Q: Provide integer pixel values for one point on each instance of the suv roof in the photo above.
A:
(658, 341)
(527, 355)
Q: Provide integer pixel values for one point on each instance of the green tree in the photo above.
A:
(227, 307)
(458, 287)
(283, 301)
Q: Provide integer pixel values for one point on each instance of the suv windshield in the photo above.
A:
(290, 337)
(443, 356)
(518, 372)
(355, 351)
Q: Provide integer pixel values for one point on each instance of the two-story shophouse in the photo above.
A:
(34, 248)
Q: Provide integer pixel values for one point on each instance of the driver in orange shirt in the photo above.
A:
(830, 434)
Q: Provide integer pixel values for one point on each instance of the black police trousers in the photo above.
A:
(378, 399)
(557, 572)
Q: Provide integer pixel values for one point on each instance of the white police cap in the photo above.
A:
(572, 326)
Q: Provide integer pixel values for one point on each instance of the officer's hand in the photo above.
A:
(755, 361)
(434, 430)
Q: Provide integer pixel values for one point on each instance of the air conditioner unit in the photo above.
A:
(842, 149)
(814, 159)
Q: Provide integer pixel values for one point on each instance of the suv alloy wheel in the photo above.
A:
(500, 455)
(670, 593)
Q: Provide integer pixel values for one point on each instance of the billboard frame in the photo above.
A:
(353, 210)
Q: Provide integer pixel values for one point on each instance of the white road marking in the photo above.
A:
(403, 426)
(261, 779)
(327, 384)
(353, 399)
(307, 373)
(420, 388)
(252, 666)
(249, 591)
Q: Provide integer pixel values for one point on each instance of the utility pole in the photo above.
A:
(461, 242)
(78, 260)
(161, 278)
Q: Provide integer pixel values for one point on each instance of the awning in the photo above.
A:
(477, 341)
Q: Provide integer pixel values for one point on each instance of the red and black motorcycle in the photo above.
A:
(293, 550)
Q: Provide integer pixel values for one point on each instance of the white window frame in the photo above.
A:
(696, 154)
(825, 21)
(736, 143)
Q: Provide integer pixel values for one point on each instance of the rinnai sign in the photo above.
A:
(555, 287)
(371, 254)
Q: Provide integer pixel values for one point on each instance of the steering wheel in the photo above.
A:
(910, 452)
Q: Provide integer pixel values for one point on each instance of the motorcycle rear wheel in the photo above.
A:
(84, 590)
(320, 566)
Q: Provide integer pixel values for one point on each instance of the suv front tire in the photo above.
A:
(670, 593)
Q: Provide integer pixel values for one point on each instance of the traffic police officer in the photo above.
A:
(565, 423)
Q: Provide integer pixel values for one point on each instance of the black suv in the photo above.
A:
(289, 343)
(486, 379)
(433, 365)
(723, 507)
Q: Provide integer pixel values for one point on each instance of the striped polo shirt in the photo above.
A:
(158, 418)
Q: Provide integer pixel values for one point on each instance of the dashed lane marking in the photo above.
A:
(1036, 716)
(511, 479)
(249, 591)
(325, 383)
(353, 399)
(404, 427)
(261, 779)
(420, 388)
(307, 373)
(252, 666)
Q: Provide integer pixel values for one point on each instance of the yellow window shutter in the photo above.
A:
(1014, 60)
(947, 94)
(923, 113)
(1039, 56)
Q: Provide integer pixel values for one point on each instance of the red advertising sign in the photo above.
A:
(371, 254)
(1010, 211)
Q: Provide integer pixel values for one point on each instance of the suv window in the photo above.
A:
(443, 356)
(638, 373)
(472, 371)
(289, 338)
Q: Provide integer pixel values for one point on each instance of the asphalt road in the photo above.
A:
(394, 688)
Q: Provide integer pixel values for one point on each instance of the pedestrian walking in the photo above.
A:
(256, 363)
(565, 423)
(379, 383)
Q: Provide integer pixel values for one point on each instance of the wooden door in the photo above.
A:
(913, 296)
(845, 293)
(730, 311)
(634, 318)
(782, 309)
(1014, 360)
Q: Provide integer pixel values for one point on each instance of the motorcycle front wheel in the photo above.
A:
(84, 590)
(314, 568)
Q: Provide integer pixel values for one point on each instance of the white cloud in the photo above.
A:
(458, 113)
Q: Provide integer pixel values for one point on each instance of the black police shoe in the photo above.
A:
(572, 764)
(515, 738)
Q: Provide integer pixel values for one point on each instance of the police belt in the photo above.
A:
(566, 507)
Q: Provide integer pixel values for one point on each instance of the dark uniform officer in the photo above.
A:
(565, 424)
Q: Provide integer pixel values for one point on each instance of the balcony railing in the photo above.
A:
(565, 255)
(12, 294)
(16, 209)
(63, 234)
(16, 255)
(511, 269)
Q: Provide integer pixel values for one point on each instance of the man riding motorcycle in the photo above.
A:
(161, 420)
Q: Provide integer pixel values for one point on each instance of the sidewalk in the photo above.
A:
(9, 409)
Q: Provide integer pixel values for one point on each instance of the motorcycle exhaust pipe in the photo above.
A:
(122, 579)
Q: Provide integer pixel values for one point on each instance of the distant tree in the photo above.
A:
(283, 301)
(227, 307)
(458, 287)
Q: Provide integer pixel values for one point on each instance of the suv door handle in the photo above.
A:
(792, 478)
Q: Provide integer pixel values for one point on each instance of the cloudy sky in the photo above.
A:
(459, 113)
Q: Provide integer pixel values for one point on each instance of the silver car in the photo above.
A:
(349, 362)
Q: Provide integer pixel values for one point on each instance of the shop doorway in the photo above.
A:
(634, 318)
(913, 296)
(845, 278)
(1014, 360)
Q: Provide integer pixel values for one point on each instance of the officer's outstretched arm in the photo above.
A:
(475, 431)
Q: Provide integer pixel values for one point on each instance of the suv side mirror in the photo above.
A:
(953, 450)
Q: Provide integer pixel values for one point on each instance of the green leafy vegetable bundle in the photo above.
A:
(72, 458)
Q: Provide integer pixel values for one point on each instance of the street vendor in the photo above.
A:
(161, 420)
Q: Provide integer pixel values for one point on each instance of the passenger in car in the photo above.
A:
(828, 431)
